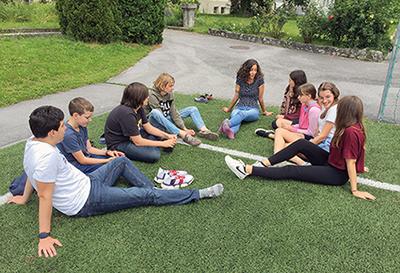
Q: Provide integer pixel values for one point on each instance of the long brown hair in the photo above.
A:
(350, 111)
(244, 70)
(335, 92)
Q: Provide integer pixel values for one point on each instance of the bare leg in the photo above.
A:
(281, 122)
(283, 136)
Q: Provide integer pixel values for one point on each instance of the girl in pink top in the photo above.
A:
(308, 121)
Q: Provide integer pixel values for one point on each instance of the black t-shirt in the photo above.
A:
(121, 124)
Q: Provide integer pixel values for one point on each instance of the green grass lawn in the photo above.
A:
(28, 16)
(255, 226)
(33, 67)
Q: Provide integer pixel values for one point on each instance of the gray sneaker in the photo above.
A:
(191, 140)
(5, 198)
(207, 134)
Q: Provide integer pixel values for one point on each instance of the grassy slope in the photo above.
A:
(33, 67)
(256, 226)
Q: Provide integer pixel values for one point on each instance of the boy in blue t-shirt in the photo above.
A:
(75, 147)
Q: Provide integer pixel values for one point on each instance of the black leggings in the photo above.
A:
(320, 172)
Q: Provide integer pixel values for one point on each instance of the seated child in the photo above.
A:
(128, 130)
(290, 107)
(308, 120)
(162, 112)
(247, 100)
(76, 146)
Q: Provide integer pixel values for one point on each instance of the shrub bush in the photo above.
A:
(173, 15)
(311, 25)
(247, 7)
(89, 21)
(359, 23)
(269, 21)
(142, 20)
(139, 21)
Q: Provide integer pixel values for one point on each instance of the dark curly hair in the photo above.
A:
(244, 70)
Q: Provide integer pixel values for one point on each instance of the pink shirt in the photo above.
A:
(308, 120)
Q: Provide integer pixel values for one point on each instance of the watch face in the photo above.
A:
(43, 235)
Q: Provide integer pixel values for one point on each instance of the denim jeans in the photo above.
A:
(194, 114)
(89, 168)
(17, 186)
(241, 114)
(158, 120)
(141, 153)
(104, 198)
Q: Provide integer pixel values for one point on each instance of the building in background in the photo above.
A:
(215, 6)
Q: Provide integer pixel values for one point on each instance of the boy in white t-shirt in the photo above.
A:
(62, 186)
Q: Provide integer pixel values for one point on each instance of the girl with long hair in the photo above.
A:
(249, 94)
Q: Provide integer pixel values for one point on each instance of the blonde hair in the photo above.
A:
(162, 80)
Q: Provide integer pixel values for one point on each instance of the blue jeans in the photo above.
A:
(140, 153)
(89, 168)
(104, 198)
(241, 114)
(157, 119)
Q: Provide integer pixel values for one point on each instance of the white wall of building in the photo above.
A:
(215, 6)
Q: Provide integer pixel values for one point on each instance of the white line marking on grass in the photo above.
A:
(361, 180)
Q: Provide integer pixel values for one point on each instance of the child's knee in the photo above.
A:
(153, 156)
(156, 113)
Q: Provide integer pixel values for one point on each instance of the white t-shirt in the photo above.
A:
(44, 162)
(331, 117)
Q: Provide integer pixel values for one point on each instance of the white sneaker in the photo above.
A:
(5, 198)
(236, 166)
(177, 181)
(162, 174)
(258, 164)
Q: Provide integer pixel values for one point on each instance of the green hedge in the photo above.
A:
(142, 20)
(360, 23)
(88, 20)
(104, 21)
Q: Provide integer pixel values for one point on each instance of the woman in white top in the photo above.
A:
(328, 96)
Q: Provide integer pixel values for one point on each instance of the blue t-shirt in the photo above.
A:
(248, 94)
(73, 142)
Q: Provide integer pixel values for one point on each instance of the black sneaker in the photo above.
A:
(264, 133)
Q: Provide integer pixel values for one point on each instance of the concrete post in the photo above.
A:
(188, 14)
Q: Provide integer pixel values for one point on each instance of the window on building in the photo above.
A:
(215, 9)
(222, 10)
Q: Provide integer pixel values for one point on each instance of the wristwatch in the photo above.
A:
(44, 235)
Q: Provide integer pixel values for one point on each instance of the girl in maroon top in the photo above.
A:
(345, 160)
